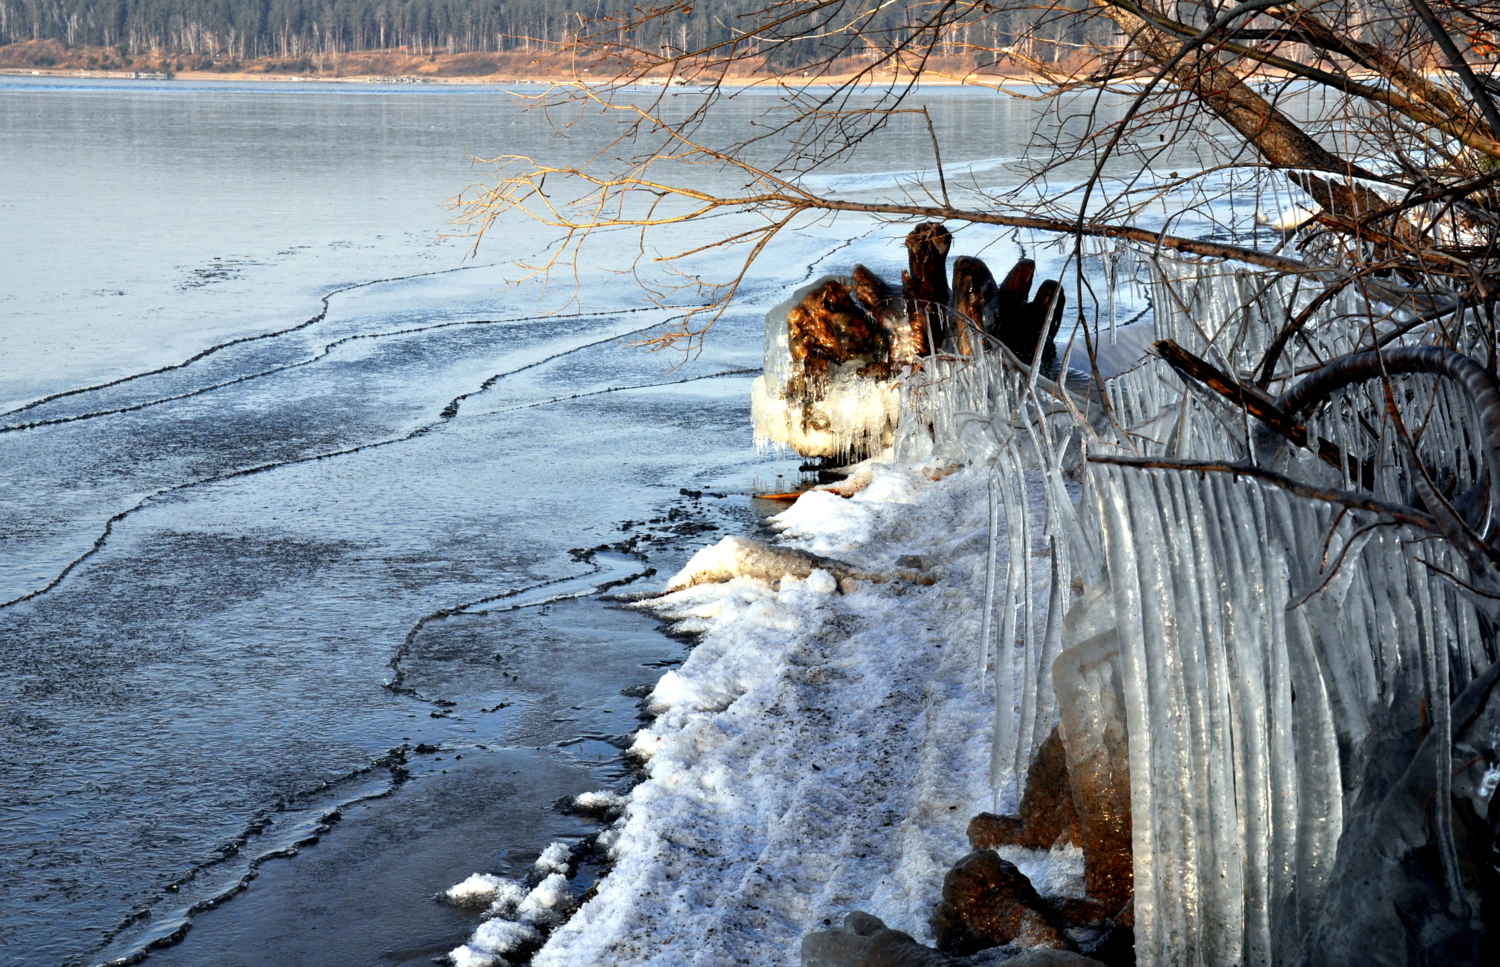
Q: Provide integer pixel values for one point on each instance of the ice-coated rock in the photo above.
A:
(1048, 817)
(1091, 713)
(1387, 902)
(1078, 786)
(988, 902)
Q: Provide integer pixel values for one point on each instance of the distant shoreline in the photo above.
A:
(491, 80)
(52, 59)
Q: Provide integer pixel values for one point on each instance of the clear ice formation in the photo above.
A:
(1279, 655)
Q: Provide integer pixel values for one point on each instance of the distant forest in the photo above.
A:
(248, 29)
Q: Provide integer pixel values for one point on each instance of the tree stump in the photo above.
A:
(974, 300)
(883, 302)
(827, 329)
(925, 286)
(1020, 324)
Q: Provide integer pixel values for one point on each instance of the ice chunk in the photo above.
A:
(546, 904)
(501, 936)
(480, 889)
(467, 956)
(554, 858)
(598, 802)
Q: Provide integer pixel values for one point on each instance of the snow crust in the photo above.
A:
(818, 752)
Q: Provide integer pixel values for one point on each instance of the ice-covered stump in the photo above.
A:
(827, 391)
(837, 351)
(925, 284)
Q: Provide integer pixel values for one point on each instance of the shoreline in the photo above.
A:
(813, 755)
(478, 68)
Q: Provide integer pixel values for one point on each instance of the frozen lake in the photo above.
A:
(287, 483)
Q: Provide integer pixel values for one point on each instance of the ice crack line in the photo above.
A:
(394, 762)
(451, 410)
(398, 674)
(211, 350)
(422, 430)
(830, 254)
(621, 389)
(320, 355)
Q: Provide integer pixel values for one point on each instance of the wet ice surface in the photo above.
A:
(364, 894)
(223, 651)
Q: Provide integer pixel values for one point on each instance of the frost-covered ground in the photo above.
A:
(818, 752)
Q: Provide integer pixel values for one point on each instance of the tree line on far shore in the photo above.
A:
(249, 29)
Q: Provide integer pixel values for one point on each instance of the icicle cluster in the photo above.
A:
(1265, 640)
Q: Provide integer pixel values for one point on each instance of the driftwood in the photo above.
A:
(735, 557)
(925, 285)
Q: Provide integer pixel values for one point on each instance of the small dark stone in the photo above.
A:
(424, 749)
(865, 941)
(987, 902)
(1043, 957)
(1117, 947)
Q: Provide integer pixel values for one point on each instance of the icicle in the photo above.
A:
(1025, 732)
(1046, 706)
(1248, 700)
(986, 633)
(1435, 663)
(1002, 749)
(1120, 544)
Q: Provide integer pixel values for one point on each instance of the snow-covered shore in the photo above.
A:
(817, 753)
